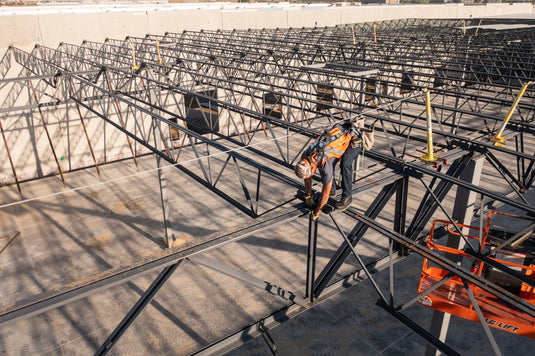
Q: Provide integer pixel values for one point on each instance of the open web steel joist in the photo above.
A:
(233, 111)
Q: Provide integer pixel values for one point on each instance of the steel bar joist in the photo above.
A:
(341, 102)
(235, 110)
(139, 110)
(290, 61)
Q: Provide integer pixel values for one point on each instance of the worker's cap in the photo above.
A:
(303, 169)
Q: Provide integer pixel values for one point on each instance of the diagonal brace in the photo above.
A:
(137, 309)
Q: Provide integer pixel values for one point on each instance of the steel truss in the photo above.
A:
(283, 87)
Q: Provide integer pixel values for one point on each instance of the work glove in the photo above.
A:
(314, 217)
(310, 201)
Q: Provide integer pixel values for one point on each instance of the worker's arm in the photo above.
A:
(323, 199)
(308, 187)
(309, 199)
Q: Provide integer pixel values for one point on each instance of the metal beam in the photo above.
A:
(54, 299)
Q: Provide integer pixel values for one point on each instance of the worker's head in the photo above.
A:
(305, 168)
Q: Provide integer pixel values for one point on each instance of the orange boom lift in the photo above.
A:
(514, 250)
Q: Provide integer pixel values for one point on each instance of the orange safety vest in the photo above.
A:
(332, 143)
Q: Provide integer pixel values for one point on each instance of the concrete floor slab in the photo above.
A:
(72, 236)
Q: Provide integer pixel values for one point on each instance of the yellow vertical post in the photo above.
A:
(353, 31)
(477, 29)
(134, 65)
(429, 157)
(374, 34)
(464, 27)
(160, 62)
(498, 139)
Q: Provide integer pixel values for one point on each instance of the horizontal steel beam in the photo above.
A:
(53, 299)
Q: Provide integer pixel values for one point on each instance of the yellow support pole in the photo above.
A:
(134, 66)
(374, 34)
(160, 62)
(477, 29)
(429, 157)
(464, 27)
(353, 31)
(498, 139)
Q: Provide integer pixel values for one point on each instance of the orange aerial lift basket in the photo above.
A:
(517, 254)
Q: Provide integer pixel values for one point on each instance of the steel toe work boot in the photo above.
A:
(344, 203)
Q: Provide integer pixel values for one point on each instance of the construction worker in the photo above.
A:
(341, 143)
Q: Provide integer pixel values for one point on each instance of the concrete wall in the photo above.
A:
(48, 25)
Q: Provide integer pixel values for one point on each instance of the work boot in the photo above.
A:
(344, 203)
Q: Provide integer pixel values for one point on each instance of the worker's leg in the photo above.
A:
(333, 189)
(346, 165)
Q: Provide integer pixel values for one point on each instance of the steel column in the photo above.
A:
(463, 212)
(311, 258)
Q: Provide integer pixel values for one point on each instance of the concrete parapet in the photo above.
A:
(49, 25)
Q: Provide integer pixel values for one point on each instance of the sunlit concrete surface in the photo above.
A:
(24, 27)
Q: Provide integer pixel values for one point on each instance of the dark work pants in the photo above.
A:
(346, 166)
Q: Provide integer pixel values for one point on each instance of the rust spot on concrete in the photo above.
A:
(179, 241)
(100, 240)
(154, 340)
(84, 281)
(6, 307)
(126, 204)
(93, 195)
